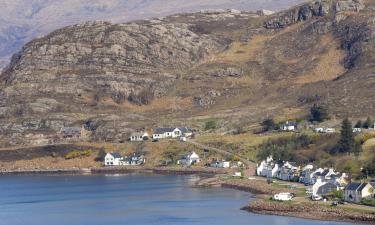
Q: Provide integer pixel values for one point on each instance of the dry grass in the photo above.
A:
(243, 52)
(329, 65)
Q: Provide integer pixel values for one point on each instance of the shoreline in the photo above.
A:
(119, 170)
(258, 187)
(305, 210)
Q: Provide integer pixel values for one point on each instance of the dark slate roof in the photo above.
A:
(363, 185)
(324, 173)
(352, 186)
(71, 130)
(184, 129)
(326, 188)
(291, 123)
(115, 154)
(163, 130)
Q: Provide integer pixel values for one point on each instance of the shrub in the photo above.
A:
(210, 125)
(73, 155)
(318, 113)
(78, 154)
(268, 125)
(368, 202)
(142, 98)
(284, 148)
(368, 123)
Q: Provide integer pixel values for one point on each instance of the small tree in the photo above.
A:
(368, 123)
(268, 125)
(346, 142)
(318, 113)
(101, 155)
(358, 124)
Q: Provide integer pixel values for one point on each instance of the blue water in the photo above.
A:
(125, 199)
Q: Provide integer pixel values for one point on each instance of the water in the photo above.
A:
(125, 199)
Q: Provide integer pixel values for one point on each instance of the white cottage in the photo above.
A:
(355, 192)
(189, 159)
(112, 159)
(171, 132)
(220, 164)
(139, 136)
(289, 126)
(323, 187)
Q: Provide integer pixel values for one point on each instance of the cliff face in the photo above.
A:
(115, 78)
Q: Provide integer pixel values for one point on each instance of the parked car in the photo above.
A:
(316, 198)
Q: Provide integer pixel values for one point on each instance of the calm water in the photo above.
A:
(125, 199)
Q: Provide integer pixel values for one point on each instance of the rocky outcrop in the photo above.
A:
(359, 41)
(206, 100)
(313, 9)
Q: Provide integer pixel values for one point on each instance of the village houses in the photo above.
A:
(115, 159)
(268, 168)
(189, 159)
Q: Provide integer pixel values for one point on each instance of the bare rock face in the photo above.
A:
(124, 58)
(309, 10)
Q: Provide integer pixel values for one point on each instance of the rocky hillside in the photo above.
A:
(184, 69)
(22, 21)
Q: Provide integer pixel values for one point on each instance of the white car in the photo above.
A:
(316, 198)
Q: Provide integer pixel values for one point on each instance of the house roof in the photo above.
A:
(163, 130)
(137, 133)
(291, 123)
(323, 174)
(115, 154)
(70, 130)
(327, 186)
(355, 186)
(184, 129)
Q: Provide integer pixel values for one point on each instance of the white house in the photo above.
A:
(289, 126)
(322, 187)
(139, 136)
(190, 158)
(324, 130)
(112, 159)
(268, 168)
(170, 132)
(355, 192)
(319, 130)
(357, 130)
(289, 171)
(220, 164)
(137, 159)
(329, 130)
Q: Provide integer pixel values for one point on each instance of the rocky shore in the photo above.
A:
(301, 209)
(112, 170)
(309, 210)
